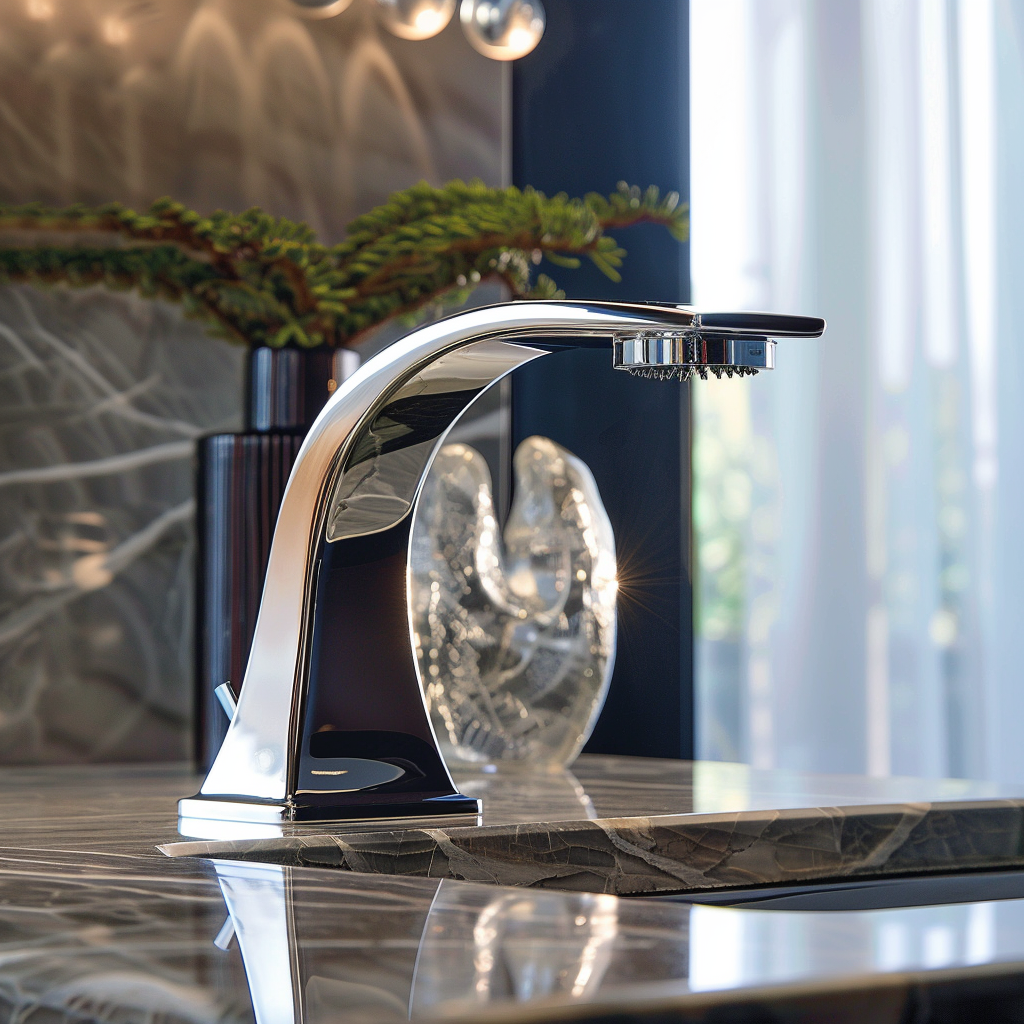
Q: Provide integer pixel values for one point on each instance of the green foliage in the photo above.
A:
(267, 281)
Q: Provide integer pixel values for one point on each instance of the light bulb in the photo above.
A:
(115, 30)
(320, 8)
(502, 29)
(416, 19)
(40, 10)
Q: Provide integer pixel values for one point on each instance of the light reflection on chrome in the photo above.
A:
(227, 831)
(257, 900)
(453, 952)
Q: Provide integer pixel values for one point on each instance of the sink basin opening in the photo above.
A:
(869, 894)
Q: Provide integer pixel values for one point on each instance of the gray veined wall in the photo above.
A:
(227, 103)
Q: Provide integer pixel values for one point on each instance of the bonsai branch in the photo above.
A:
(267, 281)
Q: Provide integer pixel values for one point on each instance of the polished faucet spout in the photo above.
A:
(331, 722)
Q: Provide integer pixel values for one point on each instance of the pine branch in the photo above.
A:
(266, 280)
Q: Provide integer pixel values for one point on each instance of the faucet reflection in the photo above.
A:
(371, 949)
(446, 955)
(331, 722)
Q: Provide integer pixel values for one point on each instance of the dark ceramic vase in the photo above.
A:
(241, 480)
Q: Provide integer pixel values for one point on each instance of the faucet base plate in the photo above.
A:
(454, 806)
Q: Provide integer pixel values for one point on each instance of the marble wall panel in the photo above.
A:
(219, 103)
(101, 399)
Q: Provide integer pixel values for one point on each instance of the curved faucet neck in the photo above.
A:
(331, 720)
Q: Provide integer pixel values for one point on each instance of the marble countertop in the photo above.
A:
(636, 826)
(97, 925)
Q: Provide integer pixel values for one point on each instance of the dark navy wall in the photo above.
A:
(604, 98)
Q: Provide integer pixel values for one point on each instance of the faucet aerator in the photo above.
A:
(682, 355)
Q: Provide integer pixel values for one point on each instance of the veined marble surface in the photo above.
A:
(95, 925)
(625, 826)
(133, 808)
(92, 803)
(101, 399)
(636, 826)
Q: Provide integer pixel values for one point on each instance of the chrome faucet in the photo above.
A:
(331, 723)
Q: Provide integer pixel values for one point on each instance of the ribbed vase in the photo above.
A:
(241, 479)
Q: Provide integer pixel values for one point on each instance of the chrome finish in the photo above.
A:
(664, 356)
(223, 939)
(226, 698)
(331, 722)
(734, 344)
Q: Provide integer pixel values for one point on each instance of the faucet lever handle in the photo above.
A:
(226, 696)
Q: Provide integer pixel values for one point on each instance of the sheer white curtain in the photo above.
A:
(860, 511)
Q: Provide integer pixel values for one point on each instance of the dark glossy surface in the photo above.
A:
(95, 925)
(873, 894)
(287, 387)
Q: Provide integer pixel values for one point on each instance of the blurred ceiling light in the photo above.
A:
(40, 10)
(115, 30)
(503, 29)
(416, 19)
(321, 8)
(499, 29)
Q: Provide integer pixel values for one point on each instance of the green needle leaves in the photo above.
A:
(265, 280)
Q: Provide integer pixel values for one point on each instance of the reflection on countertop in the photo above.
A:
(456, 949)
(96, 925)
(98, 937)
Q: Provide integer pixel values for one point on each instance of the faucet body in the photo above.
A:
(331, 723)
